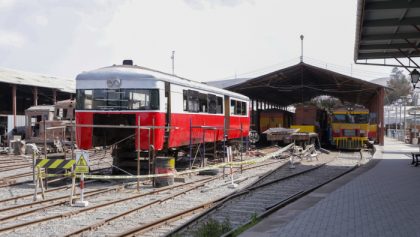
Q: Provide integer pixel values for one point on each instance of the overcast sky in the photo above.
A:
(212, 39)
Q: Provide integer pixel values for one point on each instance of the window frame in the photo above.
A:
(87, 101)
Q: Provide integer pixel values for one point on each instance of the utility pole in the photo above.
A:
(301, 48)
(173, 62)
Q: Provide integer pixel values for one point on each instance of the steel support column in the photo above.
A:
(35, 93)
(14, 105)
(54, 96)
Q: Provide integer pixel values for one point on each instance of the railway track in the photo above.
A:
(12, 179)
(259, 199)
(120, 208)
(14, 167)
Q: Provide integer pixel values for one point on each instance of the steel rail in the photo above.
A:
(72, 213)
(159, 201)
(286, 201)
(42, 208)
(171, 218)
(174, 217)
(120, 215)
(31, 204)
(251, 188)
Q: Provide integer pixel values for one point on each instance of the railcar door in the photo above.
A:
(227, 115)
(168, 113)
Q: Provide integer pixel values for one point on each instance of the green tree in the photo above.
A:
(326, 102)
(399, 84)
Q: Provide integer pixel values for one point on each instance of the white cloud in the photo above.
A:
(41, 20)
(6, 4)
(213, 39)
(11, 39)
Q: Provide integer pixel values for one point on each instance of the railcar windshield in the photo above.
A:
(117, 99)
(351, 118)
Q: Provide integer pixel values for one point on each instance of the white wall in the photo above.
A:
(20, 121)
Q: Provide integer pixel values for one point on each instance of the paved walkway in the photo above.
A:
(380, 200)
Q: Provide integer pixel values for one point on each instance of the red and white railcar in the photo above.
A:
(125, 94)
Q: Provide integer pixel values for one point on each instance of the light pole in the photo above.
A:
(400, 121)
(396, 119)
(415, 75)
(405, 100)
(397, 134)
(388, 130)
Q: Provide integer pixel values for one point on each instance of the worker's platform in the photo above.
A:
(374, 200)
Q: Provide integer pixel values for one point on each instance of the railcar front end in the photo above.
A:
(350, 128)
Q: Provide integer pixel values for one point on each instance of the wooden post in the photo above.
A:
(138, 155)
(36, 187)
(73, 187)
(242, 145)
(45, 152)
(41, 182)
(14, 105)
(190, 142)
(33, 167)
(204, 148)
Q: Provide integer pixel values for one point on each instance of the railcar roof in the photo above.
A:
(138, 72)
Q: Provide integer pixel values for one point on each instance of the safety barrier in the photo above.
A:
(251, 161)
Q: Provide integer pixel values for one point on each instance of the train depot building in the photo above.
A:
(21, 90)
(302, 82)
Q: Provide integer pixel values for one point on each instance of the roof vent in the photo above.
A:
(128, 62)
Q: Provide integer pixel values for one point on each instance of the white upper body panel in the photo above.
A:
(139, 77)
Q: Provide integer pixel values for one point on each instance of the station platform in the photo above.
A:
(381, 198)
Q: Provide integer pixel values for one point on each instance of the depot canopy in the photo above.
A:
(387, 29)
(302, 82)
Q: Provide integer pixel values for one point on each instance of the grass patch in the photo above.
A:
(213, 228)
(241, 229)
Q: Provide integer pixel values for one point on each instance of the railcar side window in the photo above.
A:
(238, 107)
(243, 110)
(193, 101)
(212, 103)
(232, 106)
(203, 103)
(185, 100)
(219, 108)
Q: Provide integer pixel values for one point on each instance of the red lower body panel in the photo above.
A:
(214, 131)
(177, 137)
(84, 135)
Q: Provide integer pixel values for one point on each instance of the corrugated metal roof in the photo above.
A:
(302, 82)
(226, 83)
(387, 29)
(32, 79)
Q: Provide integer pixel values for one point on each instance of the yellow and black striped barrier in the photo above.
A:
(109, 177)
(55, 163)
